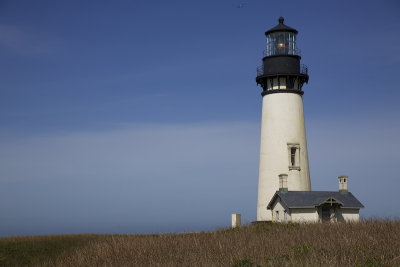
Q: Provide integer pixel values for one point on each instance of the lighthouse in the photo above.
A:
(283, 148)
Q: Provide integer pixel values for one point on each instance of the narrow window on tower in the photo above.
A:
(294, 156)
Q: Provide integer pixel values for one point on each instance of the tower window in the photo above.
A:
(294, 156)
(289, 82)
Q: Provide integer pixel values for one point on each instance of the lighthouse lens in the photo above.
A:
(281, 43)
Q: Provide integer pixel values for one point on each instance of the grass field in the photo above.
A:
(369, 243)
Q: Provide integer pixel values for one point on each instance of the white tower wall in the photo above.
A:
(282, 128)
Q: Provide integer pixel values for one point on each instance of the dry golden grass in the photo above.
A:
(35, 250)
(369, 243)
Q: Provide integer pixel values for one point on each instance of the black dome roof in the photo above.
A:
(281, 28)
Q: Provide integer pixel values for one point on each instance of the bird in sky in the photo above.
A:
(241, 5)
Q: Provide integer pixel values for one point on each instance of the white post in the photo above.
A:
(236, 220)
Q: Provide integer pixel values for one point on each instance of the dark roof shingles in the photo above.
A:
(314, 198)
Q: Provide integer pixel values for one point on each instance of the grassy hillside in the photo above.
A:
(370, 243)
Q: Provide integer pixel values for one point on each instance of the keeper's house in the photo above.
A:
(314, 206)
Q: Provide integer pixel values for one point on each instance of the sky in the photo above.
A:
(145, 117)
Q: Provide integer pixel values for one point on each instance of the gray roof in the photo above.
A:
(293, 199)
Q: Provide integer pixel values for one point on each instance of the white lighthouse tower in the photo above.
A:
(283, 134)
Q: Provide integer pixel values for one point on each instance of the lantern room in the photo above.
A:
(281, 40)
(281, 68)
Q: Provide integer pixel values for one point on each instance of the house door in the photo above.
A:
(326, 213)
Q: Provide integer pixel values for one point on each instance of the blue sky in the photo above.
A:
(144, 116)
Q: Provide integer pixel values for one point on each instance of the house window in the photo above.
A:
(285, 216)
(294, 156)
(277, 215)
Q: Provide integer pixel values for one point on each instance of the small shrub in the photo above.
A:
(373, 262)
(243, 263)
(303, 249)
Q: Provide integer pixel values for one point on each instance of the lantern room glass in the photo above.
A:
(281, 43)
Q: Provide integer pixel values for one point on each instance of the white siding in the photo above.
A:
(304, 215)
(278, 207)
(348, 215)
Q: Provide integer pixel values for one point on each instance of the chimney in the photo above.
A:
(283, 182)
(343, 183)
